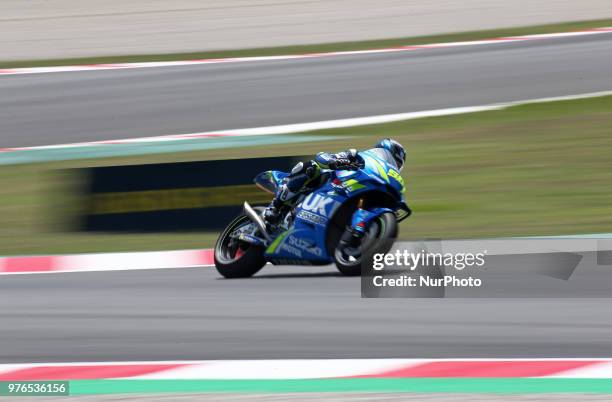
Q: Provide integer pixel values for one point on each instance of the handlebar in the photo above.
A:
(356, 164)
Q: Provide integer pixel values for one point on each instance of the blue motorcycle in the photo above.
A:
(368, 196)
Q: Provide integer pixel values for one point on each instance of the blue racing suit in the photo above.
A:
(305, 177)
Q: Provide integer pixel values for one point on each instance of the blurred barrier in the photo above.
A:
(174, 196)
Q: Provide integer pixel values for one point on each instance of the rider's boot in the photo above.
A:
(274, 212)
(294, 184)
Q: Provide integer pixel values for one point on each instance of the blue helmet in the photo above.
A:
(395, 149)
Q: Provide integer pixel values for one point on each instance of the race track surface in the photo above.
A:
(54, 108)
(284, 312)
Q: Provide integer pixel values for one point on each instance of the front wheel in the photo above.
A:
(379, 238)
(235, 258)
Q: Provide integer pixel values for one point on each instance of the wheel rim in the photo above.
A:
(375, 231)
(228, 249)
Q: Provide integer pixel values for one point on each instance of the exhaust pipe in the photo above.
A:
(254, 216)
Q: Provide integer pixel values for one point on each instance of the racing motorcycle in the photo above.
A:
(368, 194)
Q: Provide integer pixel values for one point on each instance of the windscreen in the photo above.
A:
(385, 155)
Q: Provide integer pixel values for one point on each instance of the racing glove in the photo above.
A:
(339, 164)
(344, 159)
(341, 160)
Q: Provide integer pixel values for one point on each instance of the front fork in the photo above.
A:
(360, 222)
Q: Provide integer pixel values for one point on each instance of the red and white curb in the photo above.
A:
(119, 66)
(312, 369)
(106, 261)
(125, 261)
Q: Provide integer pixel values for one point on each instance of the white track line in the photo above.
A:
(120, 66)
(319, 125)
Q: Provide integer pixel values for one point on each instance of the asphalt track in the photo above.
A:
(54, 108)
(284, 312)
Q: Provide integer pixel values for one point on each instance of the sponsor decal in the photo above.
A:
(312, 218)
(305, 245)
(249, 238)
(291, 249)
(395, 174)
(318, 204)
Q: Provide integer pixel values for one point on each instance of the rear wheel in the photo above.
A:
(379, 238)
(235, 258)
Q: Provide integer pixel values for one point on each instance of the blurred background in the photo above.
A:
(55, 29)
(81, 146)
(539, 169)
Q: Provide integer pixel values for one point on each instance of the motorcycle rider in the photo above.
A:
(307, 177)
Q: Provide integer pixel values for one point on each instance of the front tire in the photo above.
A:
(235, 258)
(379, 238)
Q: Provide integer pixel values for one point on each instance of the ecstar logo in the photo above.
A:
(312, 218)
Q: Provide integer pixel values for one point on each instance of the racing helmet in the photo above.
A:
(395, 149)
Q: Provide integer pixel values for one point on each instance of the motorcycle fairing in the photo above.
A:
(362, 217)
(270, 180)
(305, 240)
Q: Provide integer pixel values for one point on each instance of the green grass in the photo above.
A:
(315, 48)
(539, 169)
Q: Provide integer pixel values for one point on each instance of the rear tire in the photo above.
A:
(236, 259)
(385, 227)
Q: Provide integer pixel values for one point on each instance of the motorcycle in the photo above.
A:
(368, 195)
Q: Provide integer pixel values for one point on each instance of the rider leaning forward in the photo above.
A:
(307, 177)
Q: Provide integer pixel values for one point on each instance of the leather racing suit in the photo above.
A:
(306, 177)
